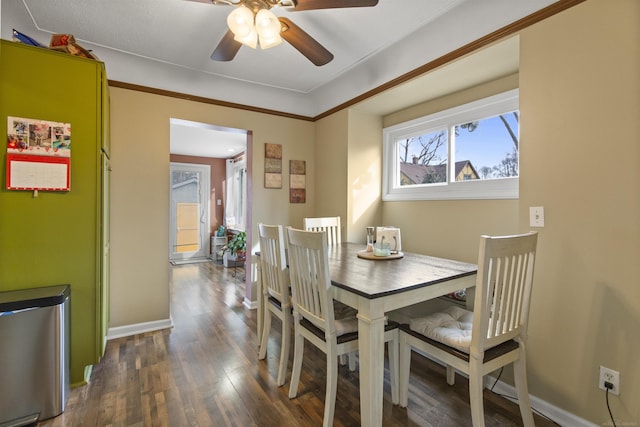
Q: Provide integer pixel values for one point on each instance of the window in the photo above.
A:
(466, 152)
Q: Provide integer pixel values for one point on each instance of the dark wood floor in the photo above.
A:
(205, 372)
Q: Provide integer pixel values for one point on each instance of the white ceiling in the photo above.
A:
(205, 140)
(166, 44)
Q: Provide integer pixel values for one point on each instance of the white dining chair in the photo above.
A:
(275, 290)
(330, 225)
(493, 335)
(314, 317)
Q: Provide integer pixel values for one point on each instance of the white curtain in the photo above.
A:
(234, 210)
(229, 205)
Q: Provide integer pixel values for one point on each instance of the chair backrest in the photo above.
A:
(503, 289)
(310, 279)
(273, 263)
(330, 225)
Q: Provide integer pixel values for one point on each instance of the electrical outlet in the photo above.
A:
(611, 376)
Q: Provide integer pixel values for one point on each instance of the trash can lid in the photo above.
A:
(33, 297)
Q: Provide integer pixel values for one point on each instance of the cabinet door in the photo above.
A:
(54, 238)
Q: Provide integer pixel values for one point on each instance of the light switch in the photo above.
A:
(219, 202)
(536, 216)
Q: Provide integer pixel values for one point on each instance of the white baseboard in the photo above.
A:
(138, 328)
(540, 406)
(250, 305)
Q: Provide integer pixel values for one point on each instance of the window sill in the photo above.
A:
(506, 188)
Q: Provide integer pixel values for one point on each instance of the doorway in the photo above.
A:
(189, 211)
(208, 144)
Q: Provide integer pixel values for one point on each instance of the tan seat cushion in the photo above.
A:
(346, 326)
(451, 326)
(345, 317)
(346, 320)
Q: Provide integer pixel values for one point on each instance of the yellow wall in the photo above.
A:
(348, 171)
(140, 191)
(580, 104)
(364, 177)
(330, 174)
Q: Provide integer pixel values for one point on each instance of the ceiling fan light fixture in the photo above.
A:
(250, 39)
(240, 21)
(266, 43)
(252, 21)
(268, 28)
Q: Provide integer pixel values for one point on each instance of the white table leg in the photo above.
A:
(371, 347)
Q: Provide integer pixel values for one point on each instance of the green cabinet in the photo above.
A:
(60, 237)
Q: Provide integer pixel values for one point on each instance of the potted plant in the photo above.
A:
(236, 247)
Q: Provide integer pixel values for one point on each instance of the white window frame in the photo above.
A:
(500, 188)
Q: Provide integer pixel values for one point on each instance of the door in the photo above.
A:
(189, 222)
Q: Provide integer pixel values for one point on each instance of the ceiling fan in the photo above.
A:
(252, 21)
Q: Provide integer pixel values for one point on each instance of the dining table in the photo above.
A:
(376, 286)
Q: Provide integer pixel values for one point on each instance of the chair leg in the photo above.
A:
(394, 355)
(352, 361)
(404, 369)
(332, 384)
(451, 375)
(284, 350)
(476, 387)
(266, 326)
(342, 359)
(520, 377)
(298, 353)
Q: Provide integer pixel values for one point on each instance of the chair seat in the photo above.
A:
(276, 302)
(451, 326)
(450, 330)
(489, 354)
(348, 335)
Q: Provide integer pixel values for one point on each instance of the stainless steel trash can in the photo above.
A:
(34, 354)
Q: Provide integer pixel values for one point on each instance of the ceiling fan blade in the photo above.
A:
(332, 4)
(226, 49)
(306, 45)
